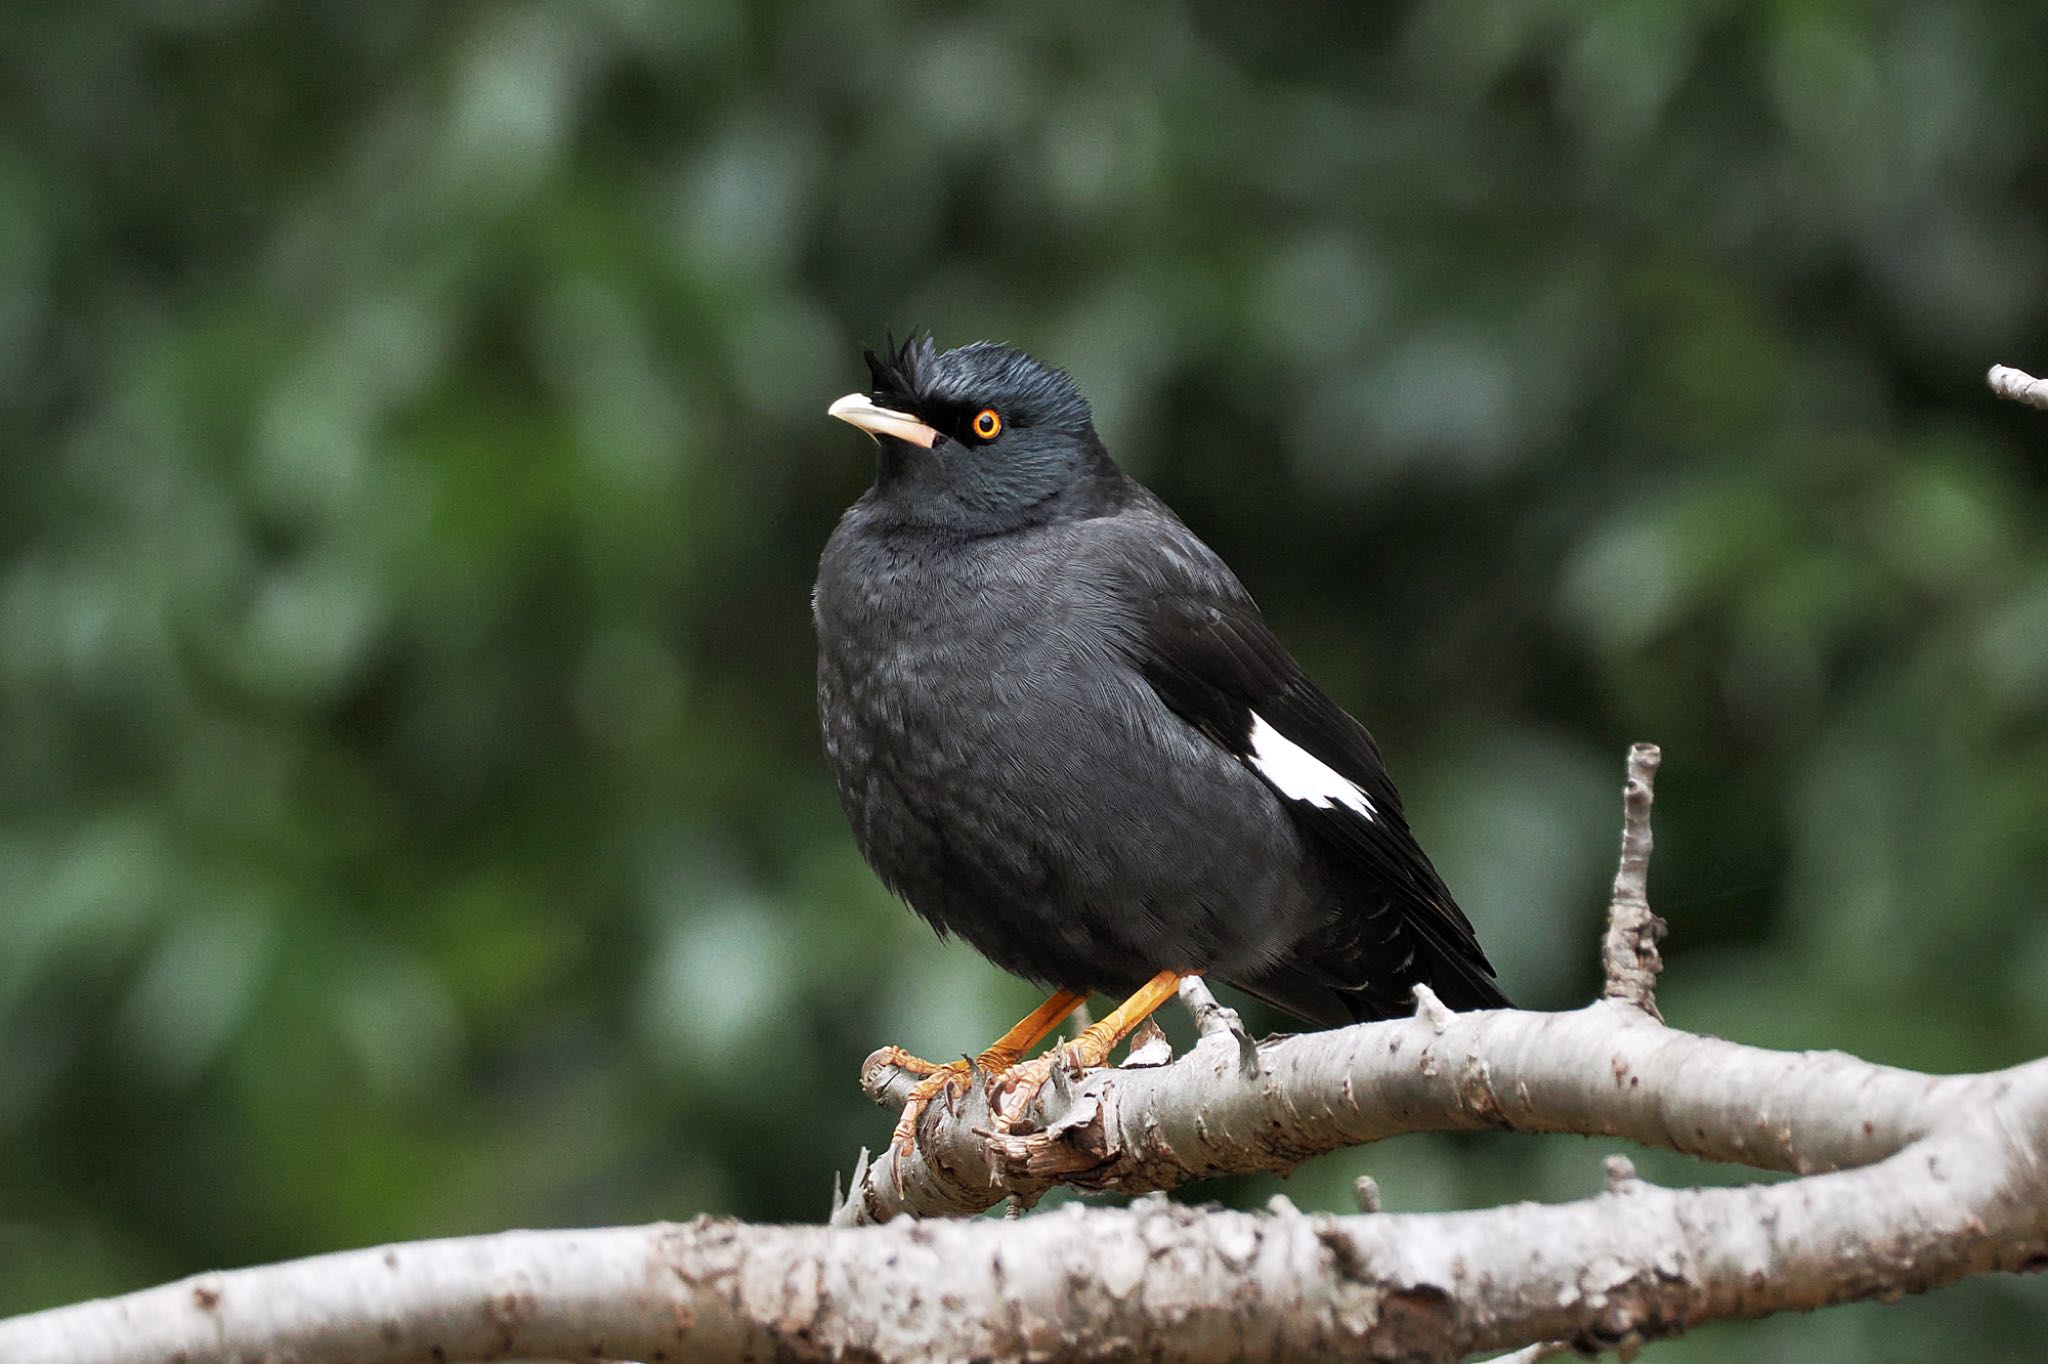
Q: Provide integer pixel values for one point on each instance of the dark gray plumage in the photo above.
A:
(1061, 729)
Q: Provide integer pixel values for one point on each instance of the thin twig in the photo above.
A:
(1629, 953)
(2018, 385)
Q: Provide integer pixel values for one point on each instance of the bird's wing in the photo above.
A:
(1211, 658)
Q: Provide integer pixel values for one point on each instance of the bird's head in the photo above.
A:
(977, 439)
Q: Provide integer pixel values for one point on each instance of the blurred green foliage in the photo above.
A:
(411, 819)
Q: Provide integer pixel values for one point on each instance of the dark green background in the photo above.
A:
(413, 462)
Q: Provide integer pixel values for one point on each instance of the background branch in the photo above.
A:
(2018, 385)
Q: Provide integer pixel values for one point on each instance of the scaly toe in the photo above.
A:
(938, 1080)
(1021, 1086)
(904, 1061)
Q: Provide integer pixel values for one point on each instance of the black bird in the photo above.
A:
(1062, 730)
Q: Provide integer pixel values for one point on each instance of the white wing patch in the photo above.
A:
(1299, 774)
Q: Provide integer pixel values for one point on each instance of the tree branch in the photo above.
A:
(2018, 385)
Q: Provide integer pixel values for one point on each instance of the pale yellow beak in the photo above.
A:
(881, 421)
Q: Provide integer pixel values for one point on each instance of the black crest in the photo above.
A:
(900, 374)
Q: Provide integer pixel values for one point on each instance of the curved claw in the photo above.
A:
(999, 1057)
(937, 1080)
(1021, 1086)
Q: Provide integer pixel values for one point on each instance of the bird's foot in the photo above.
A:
(957, 1075)
(1020, 1087)
(895, 1058)
(950, 1079)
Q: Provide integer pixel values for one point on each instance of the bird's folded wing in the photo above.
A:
(1214, 662)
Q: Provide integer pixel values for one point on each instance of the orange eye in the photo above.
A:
(987, 424)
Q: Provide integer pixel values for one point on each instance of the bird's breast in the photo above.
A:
(921, 662)
(944, 676)
(1010, 773)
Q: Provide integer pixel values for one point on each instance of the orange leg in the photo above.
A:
(1090, 1049)
(1003, 1053)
